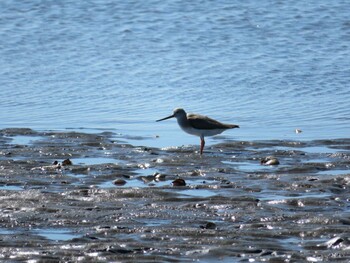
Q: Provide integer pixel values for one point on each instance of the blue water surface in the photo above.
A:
(269, 66)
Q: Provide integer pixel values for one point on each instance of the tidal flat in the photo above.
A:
(74, 196)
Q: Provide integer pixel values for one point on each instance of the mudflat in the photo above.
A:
(74, 196)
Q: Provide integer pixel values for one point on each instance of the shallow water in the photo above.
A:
(55, 234)
(271, 67)
(232, 208)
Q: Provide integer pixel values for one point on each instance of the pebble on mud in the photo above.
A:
(119, 182)
(67, 162)
(159, 177)
(196, 173)
(269, 160)
(179, 182)
(209, 225)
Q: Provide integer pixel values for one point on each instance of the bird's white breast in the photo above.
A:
(202, 133)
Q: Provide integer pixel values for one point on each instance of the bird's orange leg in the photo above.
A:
(202, 145)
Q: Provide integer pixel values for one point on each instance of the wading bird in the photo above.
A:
(199, 125)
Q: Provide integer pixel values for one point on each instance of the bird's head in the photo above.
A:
(177, 113)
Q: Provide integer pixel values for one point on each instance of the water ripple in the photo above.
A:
(99, 64)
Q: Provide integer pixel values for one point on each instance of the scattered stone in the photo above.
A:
(67, 162)
(159, 177)
(196, 173)
(119, 182)
(209, 225)
(269, 160)
(313, 179)
(179, 182)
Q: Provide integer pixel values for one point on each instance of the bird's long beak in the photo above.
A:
(171, 116)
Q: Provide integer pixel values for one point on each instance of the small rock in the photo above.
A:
(270, 160)
(179, 182)
(67, 162)
(159, 177)
(119, 182)
(196, 173)
(313, 179)
(209, 225)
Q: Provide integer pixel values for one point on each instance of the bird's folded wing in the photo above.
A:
(206, 123)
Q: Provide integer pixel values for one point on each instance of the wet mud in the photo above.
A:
(120, 202)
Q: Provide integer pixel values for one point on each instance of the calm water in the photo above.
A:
(269, 66)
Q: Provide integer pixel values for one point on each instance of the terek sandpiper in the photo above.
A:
(199, 125)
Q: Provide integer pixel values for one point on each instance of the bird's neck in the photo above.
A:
(183, 122)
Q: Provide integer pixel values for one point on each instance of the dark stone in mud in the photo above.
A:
(209, 225)
(67, 162)
(179, 182)
(313, 179)
(270, 160)
(119, 182)
(159, 177)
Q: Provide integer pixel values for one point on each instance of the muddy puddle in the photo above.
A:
(113, 201)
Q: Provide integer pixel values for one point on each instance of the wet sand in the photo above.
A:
(117, 201)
